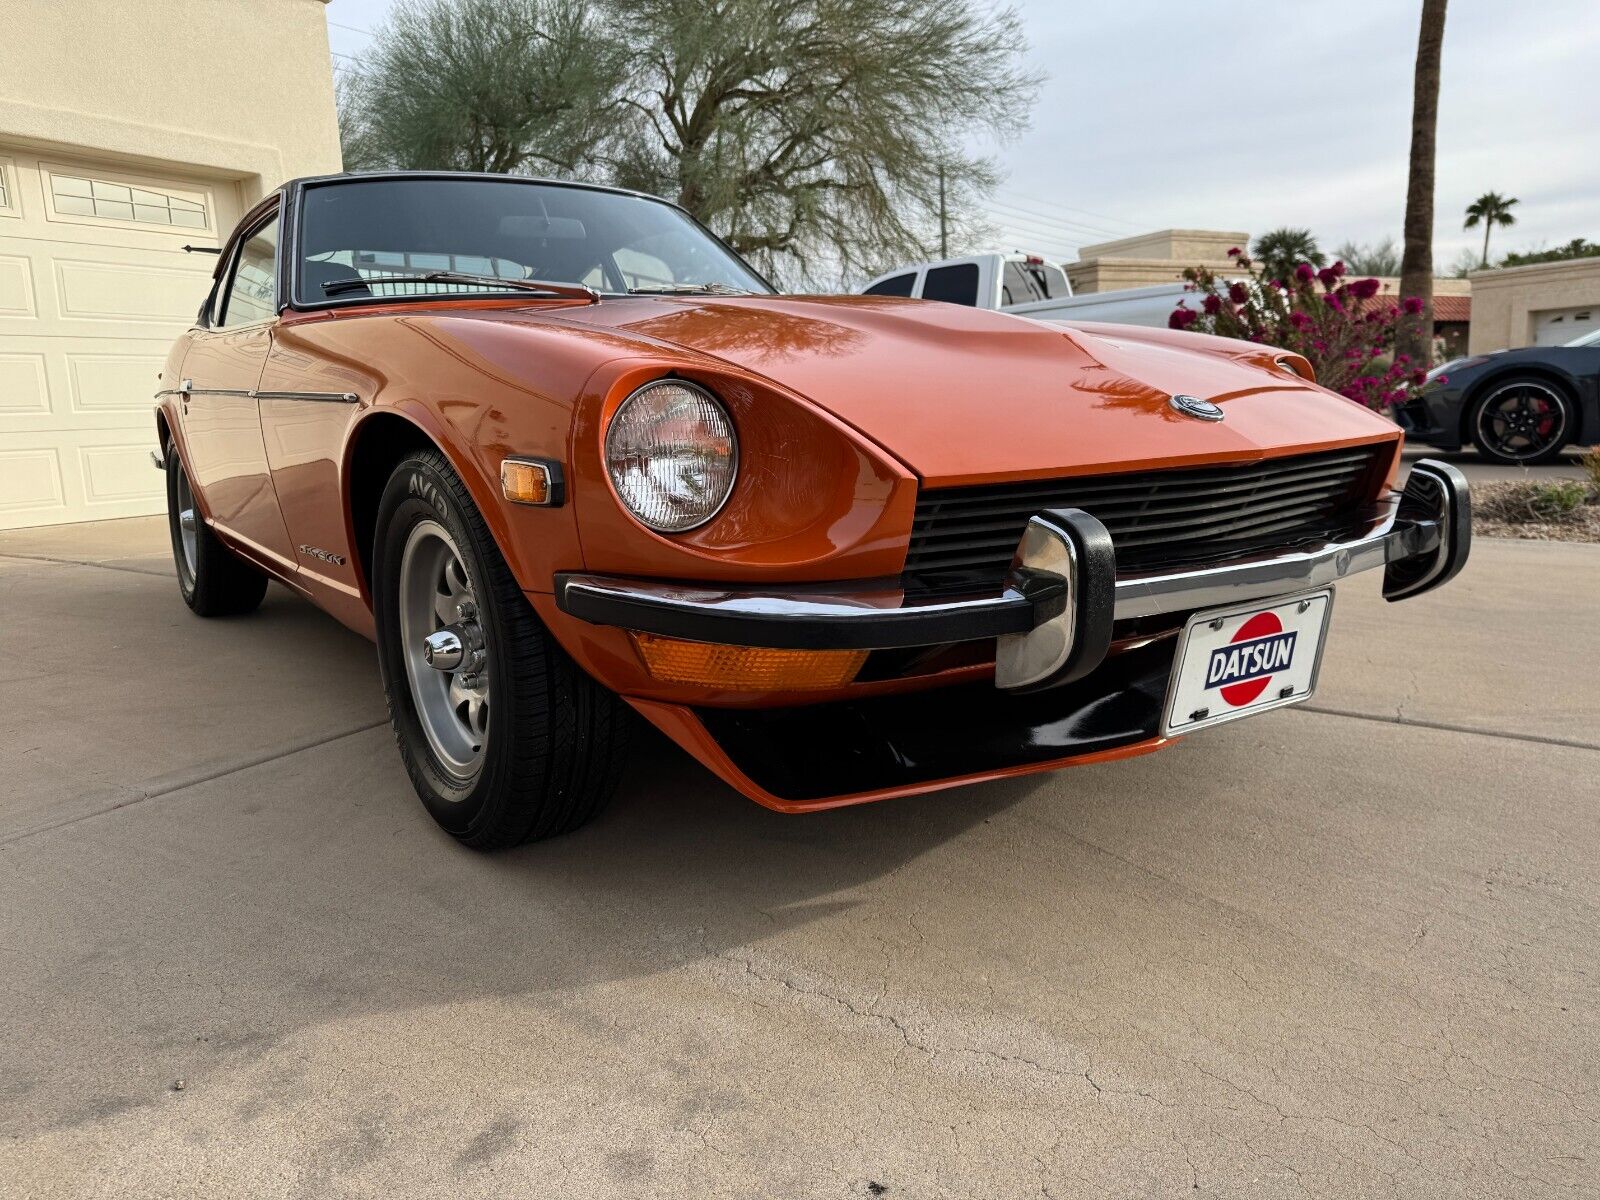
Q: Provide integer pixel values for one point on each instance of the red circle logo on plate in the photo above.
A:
(1259, 626)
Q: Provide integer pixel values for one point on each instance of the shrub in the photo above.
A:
(1315, 312)
(1591, 465)
(1545, 503)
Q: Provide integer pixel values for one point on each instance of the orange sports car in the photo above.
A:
(566, 457)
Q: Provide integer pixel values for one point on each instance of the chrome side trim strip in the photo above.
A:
(253, 394)
(315, 397)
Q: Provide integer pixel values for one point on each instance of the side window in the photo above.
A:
(957, 284)
(899, 285)
(249, 294)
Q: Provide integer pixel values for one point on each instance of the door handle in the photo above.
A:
(185, 389)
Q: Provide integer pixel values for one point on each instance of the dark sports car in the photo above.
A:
(1517, 406)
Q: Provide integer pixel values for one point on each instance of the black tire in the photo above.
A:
(1542, 426)
(554, 742)
(215, 581)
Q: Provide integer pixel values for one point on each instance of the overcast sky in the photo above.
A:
(1250, 114)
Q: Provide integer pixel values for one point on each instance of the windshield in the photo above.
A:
(1592, 338)
(362, 240)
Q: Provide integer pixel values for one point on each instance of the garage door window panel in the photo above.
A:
(8, 189)
(92, 197)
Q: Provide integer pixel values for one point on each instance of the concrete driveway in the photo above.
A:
(1344, 950)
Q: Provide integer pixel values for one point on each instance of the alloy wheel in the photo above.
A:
(1522, 421)
(442, 641)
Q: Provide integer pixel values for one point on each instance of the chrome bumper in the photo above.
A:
(1054, 599)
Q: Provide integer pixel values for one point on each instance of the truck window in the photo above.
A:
(1023, 283)
(956, 284)
(897, 285)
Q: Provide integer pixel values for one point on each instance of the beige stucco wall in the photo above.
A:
(227, 89)
(1507, 302)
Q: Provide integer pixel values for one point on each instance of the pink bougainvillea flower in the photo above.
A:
(1278, 283)
(1234, 252)
(1299, 320)
(1238, 293)
(1334, 302)
(1212, 304)
(1364, 289)
(1338, 268)
(1412, 304)
(1329, 277)
(1304, 272)
(1182, 318)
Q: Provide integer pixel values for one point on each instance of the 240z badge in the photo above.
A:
(327, 556)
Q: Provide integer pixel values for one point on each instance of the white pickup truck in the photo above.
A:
(1027, 285)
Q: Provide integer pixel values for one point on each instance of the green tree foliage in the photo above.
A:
(811, 134)
(1279, 251)
(1489, 209)
(1576, 248)
(482, 85)
(1380, 258)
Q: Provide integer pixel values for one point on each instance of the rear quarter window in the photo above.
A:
(897, 285)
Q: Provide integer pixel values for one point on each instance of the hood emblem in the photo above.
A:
(1200, 410)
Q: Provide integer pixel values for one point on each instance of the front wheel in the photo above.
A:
(1522, 420)
(505, 739)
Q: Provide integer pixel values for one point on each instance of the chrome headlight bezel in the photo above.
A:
(612, 454)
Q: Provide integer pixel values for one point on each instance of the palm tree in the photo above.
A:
(1492, 209)
(1279, 251)
(1414, 335)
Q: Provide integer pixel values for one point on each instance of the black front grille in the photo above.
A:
(1156, 518)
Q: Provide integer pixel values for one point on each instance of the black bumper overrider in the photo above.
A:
(1053, 618)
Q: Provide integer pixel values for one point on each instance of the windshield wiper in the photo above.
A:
(572, 291)
(689, 289)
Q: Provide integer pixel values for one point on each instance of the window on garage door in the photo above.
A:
(252, 287)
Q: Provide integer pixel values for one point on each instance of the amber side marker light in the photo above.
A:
(531, 481)
(746, 668)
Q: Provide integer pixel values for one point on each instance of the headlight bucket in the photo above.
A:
(672, 455)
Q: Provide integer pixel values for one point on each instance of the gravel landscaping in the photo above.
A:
(1561, 511)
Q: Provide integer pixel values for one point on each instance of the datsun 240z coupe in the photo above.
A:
(562, 454)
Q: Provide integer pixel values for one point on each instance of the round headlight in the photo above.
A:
(672, 455)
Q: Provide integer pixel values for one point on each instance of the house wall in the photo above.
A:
(129, 130)
(230, 89)
(1151, 258)
(1508, 304)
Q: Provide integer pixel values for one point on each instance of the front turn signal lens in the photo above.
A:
(531, 481)
(746, 668)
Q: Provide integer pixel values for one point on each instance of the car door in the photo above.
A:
(222, 425)
(308, 400)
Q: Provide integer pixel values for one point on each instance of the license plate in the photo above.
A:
(1235, 662)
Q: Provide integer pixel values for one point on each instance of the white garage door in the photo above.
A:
(1557, 326)
(94, 285)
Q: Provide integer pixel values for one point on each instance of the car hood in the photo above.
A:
(962, 395)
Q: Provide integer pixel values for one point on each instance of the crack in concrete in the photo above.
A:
(171, 785)
(1448, 727)
(84, 562)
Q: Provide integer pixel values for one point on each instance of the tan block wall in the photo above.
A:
(230, 89)
(1505, 303)
(1190, 245)
(1114, 274)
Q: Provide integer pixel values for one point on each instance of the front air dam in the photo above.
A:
(818, 756)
